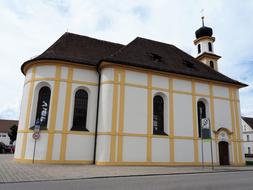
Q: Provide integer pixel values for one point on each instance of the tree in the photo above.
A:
(13, 133)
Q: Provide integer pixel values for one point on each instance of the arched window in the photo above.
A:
(158, 116)
(210, 48)
(211, 64)
(43, 106)
(249, 151)
(201, 115)
(199, 49)
(80, 111)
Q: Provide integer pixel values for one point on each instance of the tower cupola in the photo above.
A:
(204, 43)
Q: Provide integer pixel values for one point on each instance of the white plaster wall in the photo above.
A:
(24, 102)
(220, 91)
(184, 150)
(183, 115)
(136, 154)
(135, 110)
(61, 106)
(202, 88)
(28, 75)
(160, 81)
(160, 150)
(204, 45)
(79, 147)
(41, 147)
(103, 148)
(85, 75)
(105, 108)
(107, 74)
(182, 85)
(64, 73)
(57, 147)
(222, 114)
(92, 105)
(136, 78)
(207, 151)
(47, 71)
(18, 147)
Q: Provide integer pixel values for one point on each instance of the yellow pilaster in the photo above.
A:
(171, 121)
(195, 127)
(121, 115)
(66, 114)
(149, 119)
(233, 126)
(53, 111)
(28, 113)
(114, 115)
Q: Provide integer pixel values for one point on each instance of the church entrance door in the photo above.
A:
(223, 153)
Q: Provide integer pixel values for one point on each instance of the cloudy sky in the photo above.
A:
(29, 27)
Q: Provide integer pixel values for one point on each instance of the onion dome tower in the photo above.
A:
(204, 42)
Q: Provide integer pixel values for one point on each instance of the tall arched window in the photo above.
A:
(210, 48)
(80, 111)
(211, 64)
(199, 48)
(201, 115)
(43, 106)
(158, 116)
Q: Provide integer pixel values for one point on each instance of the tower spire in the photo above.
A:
(202, 17)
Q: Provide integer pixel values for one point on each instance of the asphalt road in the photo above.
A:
(213, 181)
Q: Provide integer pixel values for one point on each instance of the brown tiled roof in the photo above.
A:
(249, 121)
(78, 49)
(159, 56)
(140, 52)
(6, 124)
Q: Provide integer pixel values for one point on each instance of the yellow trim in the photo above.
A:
(237, 126)
(171, 117)
(30, 161)
(60, 132)
(67, 64)
(66, 115)
(161, 73)
(53, 112)
(154, 164)
(114, 115)
(212, 106)
(195, 127)
(28, 114)
(61, 80)
(121, 114)
(149, 118)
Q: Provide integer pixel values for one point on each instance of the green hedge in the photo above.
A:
(249, 163)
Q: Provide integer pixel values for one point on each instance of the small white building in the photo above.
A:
(247, 130)
(136, 104)
(5, 129)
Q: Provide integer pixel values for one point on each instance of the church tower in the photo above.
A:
(204, 43)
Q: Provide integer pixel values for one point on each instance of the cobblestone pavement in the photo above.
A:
(11, 171)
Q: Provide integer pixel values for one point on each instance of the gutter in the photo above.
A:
(96, 129)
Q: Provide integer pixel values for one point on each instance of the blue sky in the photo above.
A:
(29, 27)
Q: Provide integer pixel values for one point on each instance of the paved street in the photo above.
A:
(215, 181)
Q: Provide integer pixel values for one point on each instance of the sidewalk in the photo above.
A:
(11, 171)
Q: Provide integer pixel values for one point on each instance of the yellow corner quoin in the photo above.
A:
(121, 114)
(195, 127)
(28, 114)
(66, 115)
(149, 119)
(171, 121)
(53, 112)
(114, 115)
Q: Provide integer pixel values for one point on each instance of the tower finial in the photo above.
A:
(202, 17)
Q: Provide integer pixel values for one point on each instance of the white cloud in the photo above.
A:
(29, 27)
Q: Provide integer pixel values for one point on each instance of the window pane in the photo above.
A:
(158, 116)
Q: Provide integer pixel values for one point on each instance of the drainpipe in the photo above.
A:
(96, 129)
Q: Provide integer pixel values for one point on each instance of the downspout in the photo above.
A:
(96, 129)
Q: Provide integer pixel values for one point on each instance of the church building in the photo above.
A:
(104, 103)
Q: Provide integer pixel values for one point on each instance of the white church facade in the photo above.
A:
(137, 104)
